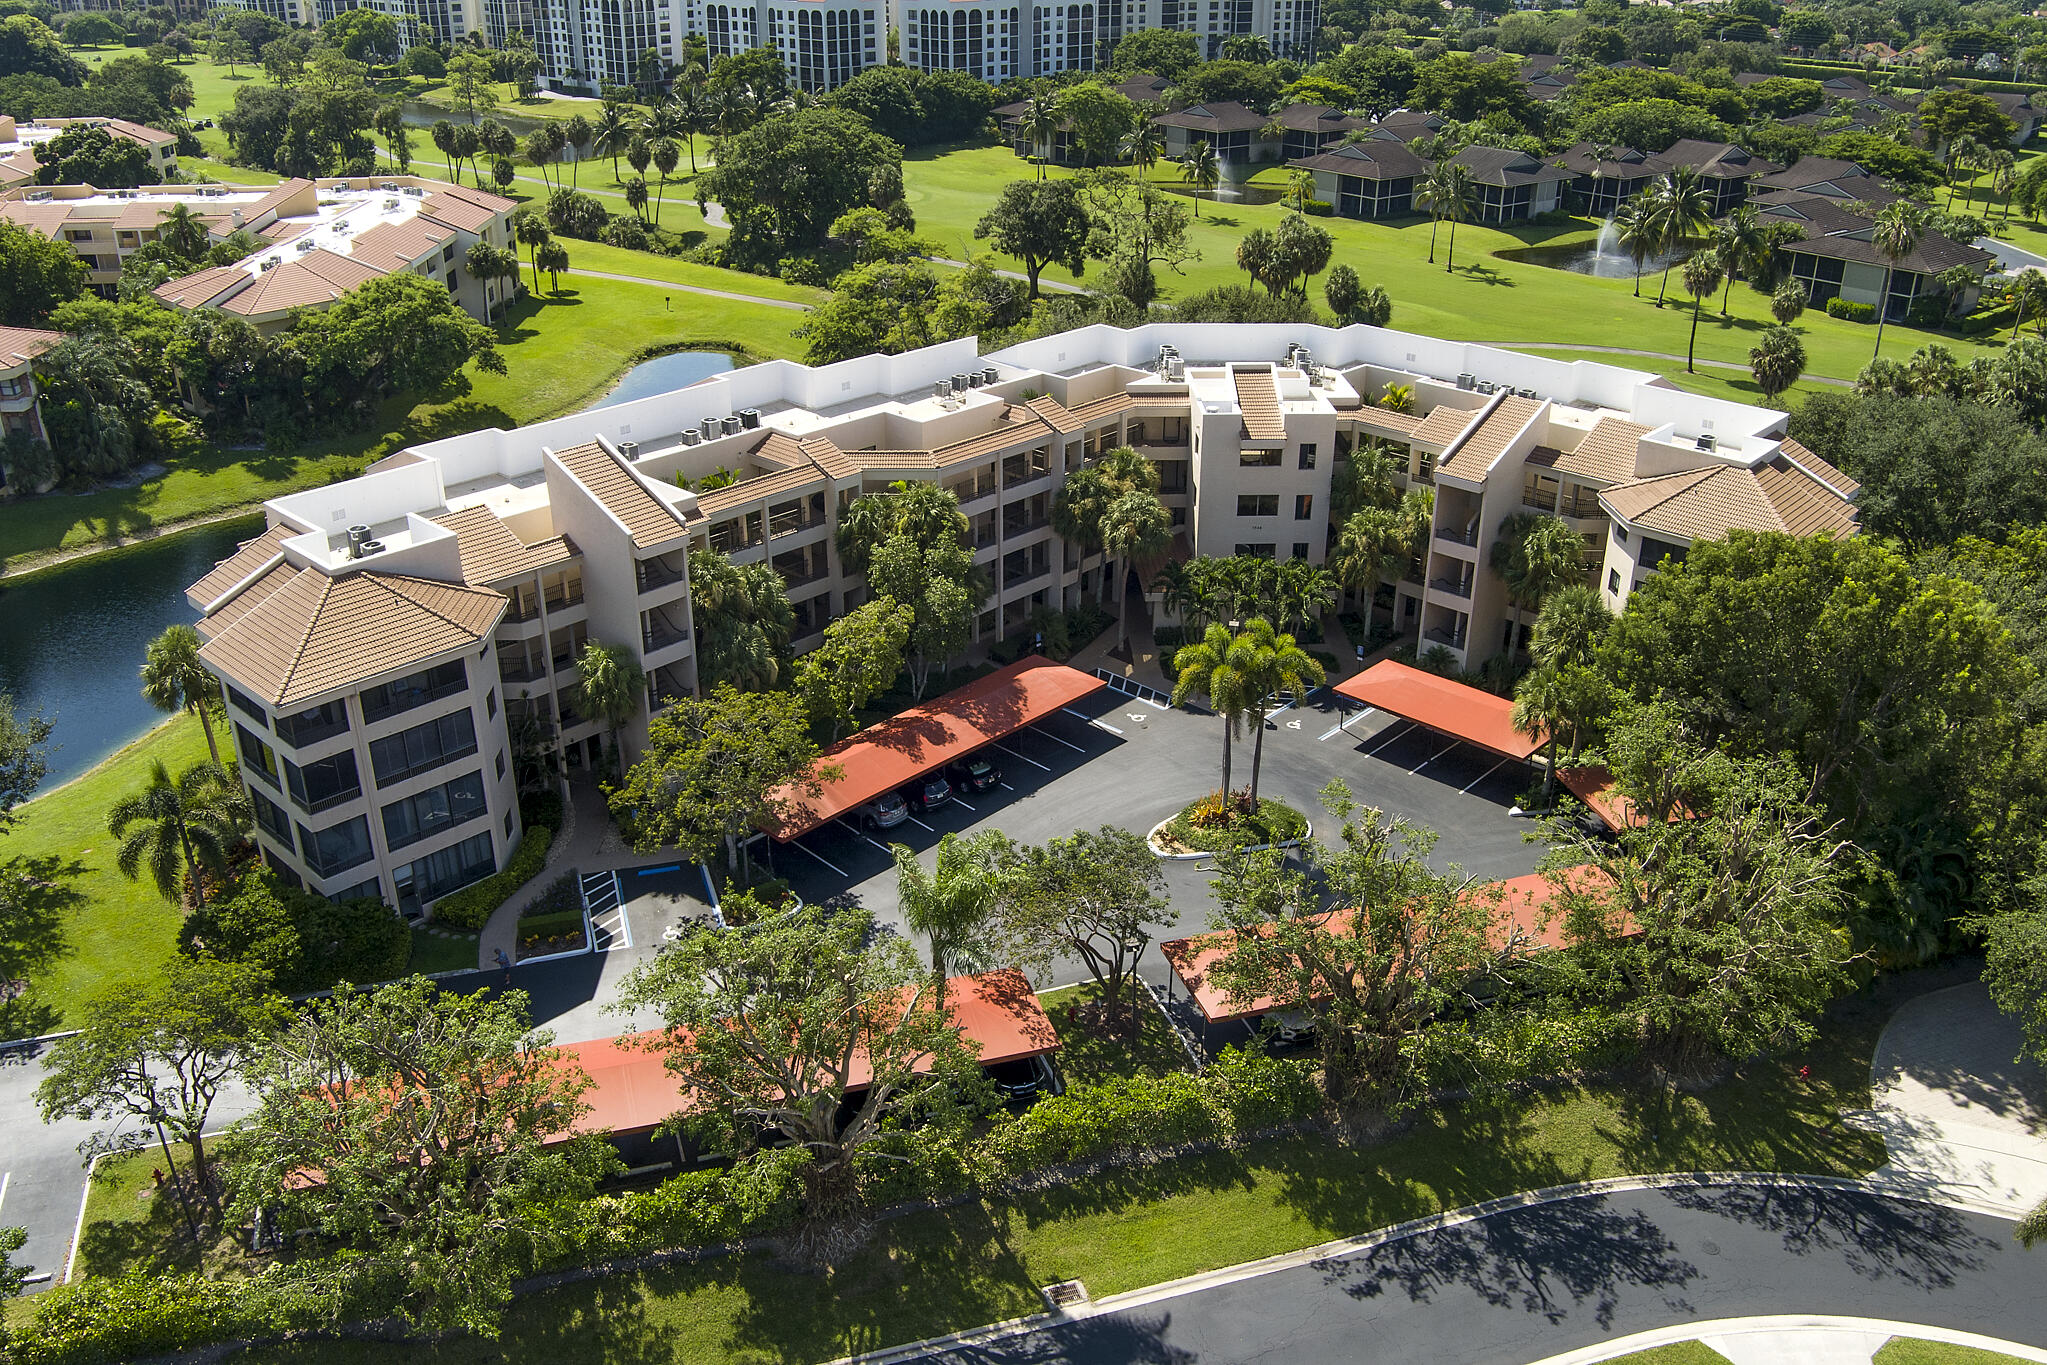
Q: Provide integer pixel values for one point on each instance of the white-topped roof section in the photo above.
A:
(343, 216)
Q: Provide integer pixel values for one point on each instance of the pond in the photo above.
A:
(1601, 258)
(74, 638)
(665, 373)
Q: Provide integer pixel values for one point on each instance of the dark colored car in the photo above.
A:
(932, 791)
(973, 774)
(1026, 1078)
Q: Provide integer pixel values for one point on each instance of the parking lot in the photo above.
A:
(1124, 760)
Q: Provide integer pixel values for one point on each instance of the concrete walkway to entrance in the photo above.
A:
(586, 841)
(1953, 1106)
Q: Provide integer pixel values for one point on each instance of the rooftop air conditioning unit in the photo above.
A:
(629, 449)
(989, 375)
(271, 263)
(1176, 369)
(307, 245)
(1709, 443)
(1488, 386)
(712, 428)
(690, 436)
(358, 536)
(390, 186)
(750, 418)
(370, 547)
(959, 383)
(941, 389)
(1465, 381)
(391, 205)
(731, 425)
(414, 190)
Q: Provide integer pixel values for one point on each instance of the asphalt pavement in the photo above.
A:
(1540, 1280)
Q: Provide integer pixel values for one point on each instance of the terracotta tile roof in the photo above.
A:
(284, 229)
(1705, 504)
(201, 287)
(463, 208)
(248, 599)
(720, 501)
(316, 278)
(1089, 413)
(1402, 424)
(19, 345)
(319, 634)
(829, 457)
(1607, 454)
(647, 520)
(782, 451)
(1819, 468)
(1318, 118)
(1062, 418)
(44, 219)
(1443, 425)
(395, 246)
(1494, 435)
(250, 556)
(1258, 397)
(490, 551)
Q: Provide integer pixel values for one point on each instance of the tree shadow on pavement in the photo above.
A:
(1922, 1245)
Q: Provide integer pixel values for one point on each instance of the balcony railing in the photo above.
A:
(789, 523)
(1442, 635)
(521, 672)
(652, 573)
(561, 601)
(529, 611)
(1024, 526)
(1456, 587)
(659, 634)
(1451, 535)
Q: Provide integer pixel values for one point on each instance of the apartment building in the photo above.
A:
(990, 40)
(1289, 25)
(434, 21)
(391, 641)
(301, 13)
(20, 402)
(18, 143)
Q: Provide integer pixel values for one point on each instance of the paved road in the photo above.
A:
(1534, 1282)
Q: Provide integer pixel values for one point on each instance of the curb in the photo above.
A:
(1927, 1193)
(1198, 856)
(1719, 1329)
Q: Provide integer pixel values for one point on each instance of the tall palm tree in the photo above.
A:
(1736, 240)
(1214, 669)
(666, 157)
(1456, 205)
(1570, 627)
(1136, 530)
(1364, 480)
(950, 905)
(1202, 170)
(613, 132)
(530, 230)
(1179, 595)
(1682, 208)
(1552, 702)
(552, 257)
(1143, 145)
(175, 826)
(2003, 179)
(1040, 128)
(1535, 555)
(1435, 191)
(577, 131)
(1895, 234)
(1305, 591)
(1636, 228)
(1367, 544)
(613, 686)
(183, 231)
(1702, 273)
(1275, 664)
(174, 680)
(1962, 151)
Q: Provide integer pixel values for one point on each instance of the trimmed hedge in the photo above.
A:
(540, 808)
(1851, 312)
(1320, 208)
(471, 907)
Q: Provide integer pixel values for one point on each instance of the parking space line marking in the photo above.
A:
(5, 1176)
(1487, 773)
(1432, 758)
(1025, 757)
(820, 857)
(1102, 724)
(1006, 787)
(1342, 726)
(962, 805)
(862, 834)
(920, 824)
(1047, 734)
(1391, 733)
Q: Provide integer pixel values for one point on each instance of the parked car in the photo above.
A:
(885, 811)
(932, 791)
(1027, 1078)
(1291, 1028)
(973, 774)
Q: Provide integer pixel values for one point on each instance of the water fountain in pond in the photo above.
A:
(1607, 261)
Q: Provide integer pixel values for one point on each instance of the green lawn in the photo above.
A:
(1086, 1056)
(433, 953)
(560, 353)
(1915, 1351)
(1677, 1353)
(1487, 298)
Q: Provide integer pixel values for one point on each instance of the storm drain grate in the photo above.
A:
(1064, 1295)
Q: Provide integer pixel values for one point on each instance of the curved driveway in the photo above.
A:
(1536, 1281)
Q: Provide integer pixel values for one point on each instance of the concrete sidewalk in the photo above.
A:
(1791, 1341)
(586, 842)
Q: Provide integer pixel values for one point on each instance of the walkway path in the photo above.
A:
(1952, 1105)
(1793, 1339)
(1650, 355)
(789, 304)
(586, 842)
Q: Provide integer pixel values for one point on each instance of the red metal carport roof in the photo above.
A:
(1440, 704)
(1523, 905)
(889, 753)
(1595, 786)
(632, 1089)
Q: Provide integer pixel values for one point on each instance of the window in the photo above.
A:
(1307, 454)
(443, 871)
(1258, 459)
(501, 764)
(256, 757)
(320, 786)
(311, 726)
(1257, 504)
(336, 848)
(370, 890)
(1304, 506)
(1256, 551)
(1300, 549)
(1613, 581)
(271, 819)
(402, 694)
(397, 757)
(430, 812)
(249, 707)
(1620, 534)
(508, 824)
(491, 704)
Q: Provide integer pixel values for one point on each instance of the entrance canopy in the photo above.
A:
(890, 753)
(1439, 704)
(1522, 915)
(633, 1091)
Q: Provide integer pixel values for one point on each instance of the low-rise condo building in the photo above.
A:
(19, 140)
(389, 643)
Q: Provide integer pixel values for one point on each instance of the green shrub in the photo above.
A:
(1168, 637)
(541, 808)
(1211, 824)
(1254, 1091)
(305, 941)
(1120, 1115)
(471, 907)
(1320, 208)
(900, 1168)
(1851, 312)
(804, 270)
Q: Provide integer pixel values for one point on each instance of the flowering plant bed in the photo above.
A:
(1219, 822)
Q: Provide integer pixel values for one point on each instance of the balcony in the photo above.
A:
(520, 669)
(651, 574)
(1023, 526)
(1444, 635)
(789, 522)
(1451, 535)
(522, 609)
(657, 632)
(561, 599)
(1455, 587)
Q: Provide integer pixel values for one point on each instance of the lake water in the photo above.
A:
(72, 638)
(676, 370)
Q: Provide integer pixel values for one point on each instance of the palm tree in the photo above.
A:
(1961, 151)
(1039, 126)
(174, 680)
(1364, 480)
(173, 827)
(1702, 275)
(1536, 555)
(950, 905)
(577, 131)
(1276, 664)
(1136, 529)
(1179, 595)
(1635, 226)
(2003, 178)
(613, 133)
(1570, 627)
(183, 231)
(1300, 190)
(443, 135)
(1682, 207)
(1787, 302)
(1143, 145)
(1551, 702)
(1304, 592)
(1434, 192)
(1366, 546)
(530, 230)
(1895, 235)
(552, 257)
(1737, 239)
(1202, 170)
(1778, 359)
(1214, 669)
(1456, 205)
(666, 157)
(636, 197)
(613, 686)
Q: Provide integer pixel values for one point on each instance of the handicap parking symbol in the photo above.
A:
(1293, 725)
